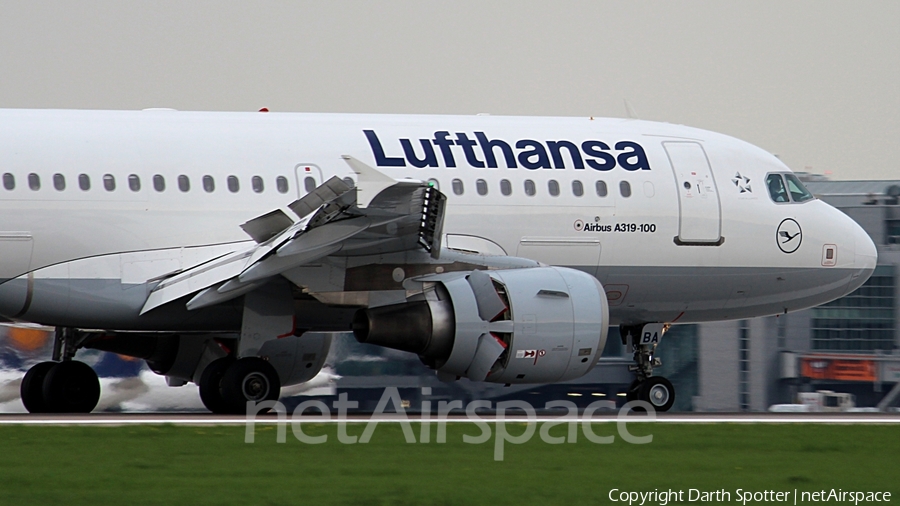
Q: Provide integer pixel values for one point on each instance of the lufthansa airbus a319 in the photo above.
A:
(224, 248)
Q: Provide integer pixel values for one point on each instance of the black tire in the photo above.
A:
(71, 387)
(32, 388)
(250, 379)
(659, 392)
(211, 385)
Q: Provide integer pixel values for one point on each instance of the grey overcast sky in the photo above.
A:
(816, 82)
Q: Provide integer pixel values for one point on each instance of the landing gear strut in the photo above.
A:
(656, 390)
(62, 385)
(226, 384)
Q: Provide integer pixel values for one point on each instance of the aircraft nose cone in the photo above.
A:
(866, 257)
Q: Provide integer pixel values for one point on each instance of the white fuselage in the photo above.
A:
(686, 232)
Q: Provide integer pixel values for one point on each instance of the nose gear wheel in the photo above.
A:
(655, 390)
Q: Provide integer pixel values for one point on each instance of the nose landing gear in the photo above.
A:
(656, 390)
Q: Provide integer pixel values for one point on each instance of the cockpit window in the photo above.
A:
(776, 188)
(798, 192)
(787, 188)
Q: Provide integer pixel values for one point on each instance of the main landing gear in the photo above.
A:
(62, 385)
(227, 384)
(656, 390)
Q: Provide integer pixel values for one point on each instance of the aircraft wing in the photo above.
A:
(397, 216)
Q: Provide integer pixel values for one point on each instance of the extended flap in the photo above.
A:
(326, 192)
(267, 226)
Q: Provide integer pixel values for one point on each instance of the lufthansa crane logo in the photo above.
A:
(789, 235)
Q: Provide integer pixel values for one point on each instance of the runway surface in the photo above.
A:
(115, 419)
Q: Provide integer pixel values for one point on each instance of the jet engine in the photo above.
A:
(530, 325)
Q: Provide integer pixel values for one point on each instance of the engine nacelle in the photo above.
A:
(532, 325)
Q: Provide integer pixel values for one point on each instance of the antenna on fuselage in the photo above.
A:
(630, 110)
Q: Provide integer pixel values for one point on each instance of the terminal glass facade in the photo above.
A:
(861, 322)
(679, 353)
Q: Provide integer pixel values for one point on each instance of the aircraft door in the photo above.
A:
(700, 212)
(309, 176)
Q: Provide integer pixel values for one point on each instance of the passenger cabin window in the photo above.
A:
(457, 187)
(209, 184)
(776, 188)
(84, 182)
(281, 184)
(481, 187)
(309, 183)
(59, 182)
(184, 183)
(602, 190)
(351, 184)
(109, 182)
(505, 187)
(530, 189)
(553, 187)
(233, 184)
(434, 183)
(134, 183)
(257, 183)
(159, 183)
(625, 189)
(9, 181)
(34, 181)
(577, 188)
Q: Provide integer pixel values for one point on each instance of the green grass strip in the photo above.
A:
(168, 465)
